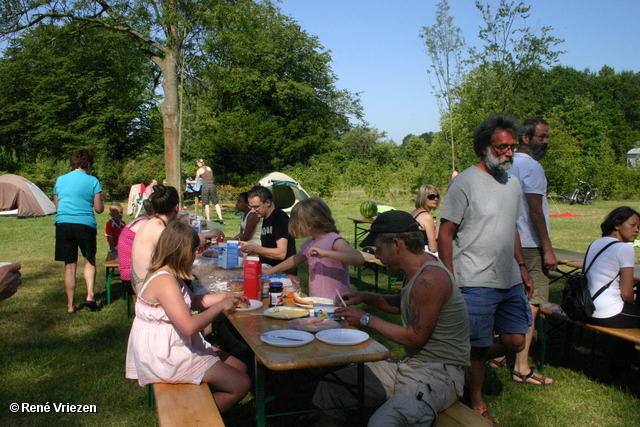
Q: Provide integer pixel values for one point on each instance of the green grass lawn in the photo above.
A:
(50, 357)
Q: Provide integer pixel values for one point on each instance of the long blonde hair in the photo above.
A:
(311, 213)
(423, 193)
(175, 247)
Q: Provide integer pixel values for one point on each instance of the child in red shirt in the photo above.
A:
(113, 228)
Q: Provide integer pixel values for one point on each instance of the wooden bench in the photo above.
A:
(460, 415)
(553, 310)
(186, 405)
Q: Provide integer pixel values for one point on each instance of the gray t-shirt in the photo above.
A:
(486, 209)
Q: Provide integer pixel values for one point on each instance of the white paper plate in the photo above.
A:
(254, 304)
(285, 312)
(306, 338)
(342, 336)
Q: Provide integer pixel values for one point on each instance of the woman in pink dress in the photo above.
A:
(165, 345)
(327, 252)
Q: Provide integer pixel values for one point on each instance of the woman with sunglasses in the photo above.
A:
(428, 199)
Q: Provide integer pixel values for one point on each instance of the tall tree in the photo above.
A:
(265, 96)
(61, 90)
(444, 44)
(512, 53)
(164, 30)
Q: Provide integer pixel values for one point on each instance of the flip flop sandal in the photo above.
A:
(497, 363)
(91, 305)
(541, 379)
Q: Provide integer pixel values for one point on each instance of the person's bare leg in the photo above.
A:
(219, 211)
(474, 377)
(90, 277)
(522, 358)
(207, 213)
(70, 283)
(229, 384)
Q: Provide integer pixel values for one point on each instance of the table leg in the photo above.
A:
(361, 411)
(355, 235)
(109, 273)
(260, 370)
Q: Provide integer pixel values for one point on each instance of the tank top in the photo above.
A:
(449, 341)
(426, 238)
(207, 175)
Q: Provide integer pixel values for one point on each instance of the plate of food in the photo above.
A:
(307, 302)
(253, 304)
(286, 312)
(312, 324)
(342, 336)
(286, 338)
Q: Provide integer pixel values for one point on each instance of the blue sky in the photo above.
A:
(376, 48)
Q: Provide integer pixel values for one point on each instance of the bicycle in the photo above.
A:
(585, 194)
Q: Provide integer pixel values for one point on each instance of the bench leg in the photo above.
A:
(151, 397)
(543, 330)
(260, 370)
(129, 301)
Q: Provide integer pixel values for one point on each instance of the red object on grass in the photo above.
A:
(564, 215)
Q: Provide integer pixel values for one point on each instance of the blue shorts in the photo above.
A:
(496, 311)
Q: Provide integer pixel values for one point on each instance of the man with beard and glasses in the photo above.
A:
(479, 242)
(533, 227)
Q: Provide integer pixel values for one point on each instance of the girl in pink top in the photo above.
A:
(165, 345)
(327, 252)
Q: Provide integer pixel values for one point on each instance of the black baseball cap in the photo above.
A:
(390, 222)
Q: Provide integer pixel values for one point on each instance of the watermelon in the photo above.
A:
(368, 209)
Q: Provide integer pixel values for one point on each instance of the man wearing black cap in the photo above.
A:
(434, 333)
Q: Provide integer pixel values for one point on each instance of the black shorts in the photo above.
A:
(209, 193)
(70, 237)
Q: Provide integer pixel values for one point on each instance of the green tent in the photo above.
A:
(286, 191)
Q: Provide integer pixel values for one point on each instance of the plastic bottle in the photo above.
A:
(253, 278)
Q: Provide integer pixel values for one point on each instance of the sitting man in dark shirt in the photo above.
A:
(276, 244)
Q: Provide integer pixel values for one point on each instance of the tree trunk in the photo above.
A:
(170, 122)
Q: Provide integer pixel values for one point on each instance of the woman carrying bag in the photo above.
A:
(615, 306)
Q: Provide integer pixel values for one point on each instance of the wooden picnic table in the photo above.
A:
(358, 230)
(565, 256)
(373, 263)
(636, 269)
(315, 354)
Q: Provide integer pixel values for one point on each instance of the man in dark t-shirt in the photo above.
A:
(276, 244)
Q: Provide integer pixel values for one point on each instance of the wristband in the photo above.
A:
(522, 264)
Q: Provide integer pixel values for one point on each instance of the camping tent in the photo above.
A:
(22, 198)
(286, 191)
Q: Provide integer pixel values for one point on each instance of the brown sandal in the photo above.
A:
(497, 363)
(536, 379)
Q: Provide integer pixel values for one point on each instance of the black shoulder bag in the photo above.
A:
(577, 302)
